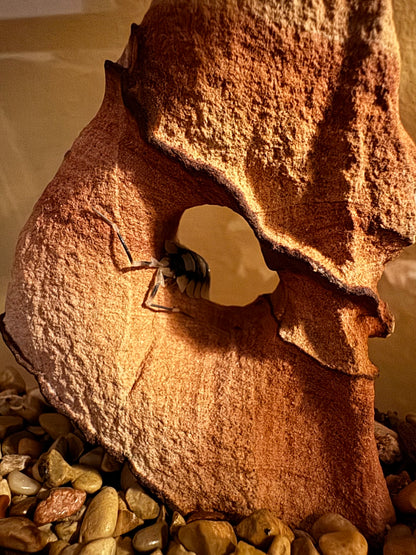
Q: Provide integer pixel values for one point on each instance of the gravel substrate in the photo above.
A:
(61, 495)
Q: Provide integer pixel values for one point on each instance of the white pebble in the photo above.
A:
(21, 484)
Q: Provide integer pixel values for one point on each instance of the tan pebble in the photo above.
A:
(279, 546)
(54, 470)
(387, 444)
(102, 546)
(400, 546)
(24, 507)
(73, 549)
(405, 500)
(93, 458)
(157, 552)
(13, 462)
(10, 444)
(127, 478)
(57, 547)
(176, 548)
(60, 503)
(344, 542)
(35, 472)
(4, 488)
(55, 424)
(204, 515)
(60, 444)
(10, 424)
(4, 503)
(20, 483)
(33, 406)
(10, 378)
(396, 482)
(152, 537)
(78, 516)
(124, 546)
(140, 503)
(87, 478)
(75, 446)
(17, 532)
(411, 418)
(176, 522)
(37, 431)
(244, 548)
(30, 447)
(100, 518)
(260, 528)
(303, 546)
(208, 537)
(47, 528)
(331, 522)
(110, 464)
(399, 531)
(126, 520)
(66, 531)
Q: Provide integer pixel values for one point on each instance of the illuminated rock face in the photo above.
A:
(286, 114)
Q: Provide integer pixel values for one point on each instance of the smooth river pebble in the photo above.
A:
(100, 518)
(20, 533)
(208, 537)
(261, 527)
(20, 483)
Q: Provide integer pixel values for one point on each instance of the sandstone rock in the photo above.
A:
(287, 114)
(208, 537)
(59, 504)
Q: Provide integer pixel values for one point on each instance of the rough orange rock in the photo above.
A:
(59, 504)
(287, 114)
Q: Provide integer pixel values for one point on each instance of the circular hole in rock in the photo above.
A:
(238, 271)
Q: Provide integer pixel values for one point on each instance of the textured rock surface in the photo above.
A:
(289, 117)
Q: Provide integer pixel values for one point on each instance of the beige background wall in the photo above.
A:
(51, 84)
